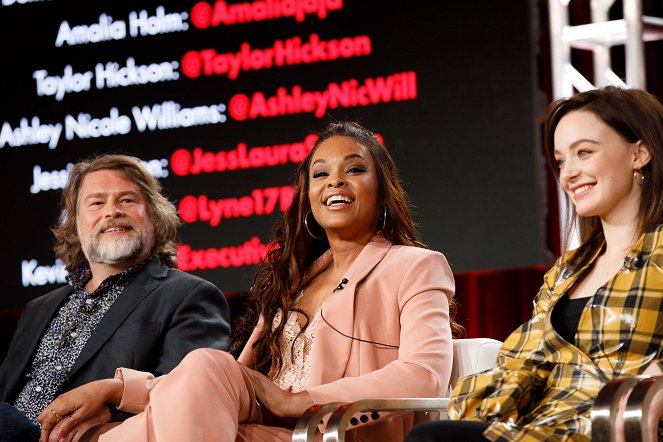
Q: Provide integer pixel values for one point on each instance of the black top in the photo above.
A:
(566, 316)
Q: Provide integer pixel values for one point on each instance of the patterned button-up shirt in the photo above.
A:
(543, 388)
(67, 335)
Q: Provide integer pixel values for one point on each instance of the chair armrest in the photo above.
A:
(636, 414)
(469, 356)
(640, 391)
(309, 420)
(604, 410)
(341, 417)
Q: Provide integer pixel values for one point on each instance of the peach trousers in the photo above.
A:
(207, 397)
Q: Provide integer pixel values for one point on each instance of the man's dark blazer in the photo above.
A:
(159, 317)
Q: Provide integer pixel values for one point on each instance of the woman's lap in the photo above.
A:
(448, 430)
(206, 395)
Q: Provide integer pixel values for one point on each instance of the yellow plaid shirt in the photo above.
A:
(543, 387)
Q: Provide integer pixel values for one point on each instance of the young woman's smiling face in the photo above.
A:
(343, 187)
(596, 167)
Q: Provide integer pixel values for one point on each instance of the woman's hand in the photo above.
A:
(79, 409)
(280, 402)
(58, 434)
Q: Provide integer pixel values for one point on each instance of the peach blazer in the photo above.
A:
(386, 334)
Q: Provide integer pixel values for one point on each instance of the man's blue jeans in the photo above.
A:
(15, 426)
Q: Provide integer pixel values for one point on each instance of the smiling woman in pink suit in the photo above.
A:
(348, 304)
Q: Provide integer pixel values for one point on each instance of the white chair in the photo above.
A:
(470, 356)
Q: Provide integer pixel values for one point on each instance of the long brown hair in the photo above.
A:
(164, 217)
(281, 276)
(635, 115)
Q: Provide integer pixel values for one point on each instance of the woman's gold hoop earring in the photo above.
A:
(306, 225)
(384, 219)
(638, 176)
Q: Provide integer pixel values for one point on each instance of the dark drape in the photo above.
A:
(493, 303)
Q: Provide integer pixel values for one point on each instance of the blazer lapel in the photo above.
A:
(335, 324)
(39, 320)
(143, 284)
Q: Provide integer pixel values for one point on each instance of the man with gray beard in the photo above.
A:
(126, 304)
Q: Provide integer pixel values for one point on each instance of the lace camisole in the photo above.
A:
(296, 358)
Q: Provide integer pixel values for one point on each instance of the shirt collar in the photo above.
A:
(78, 277)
